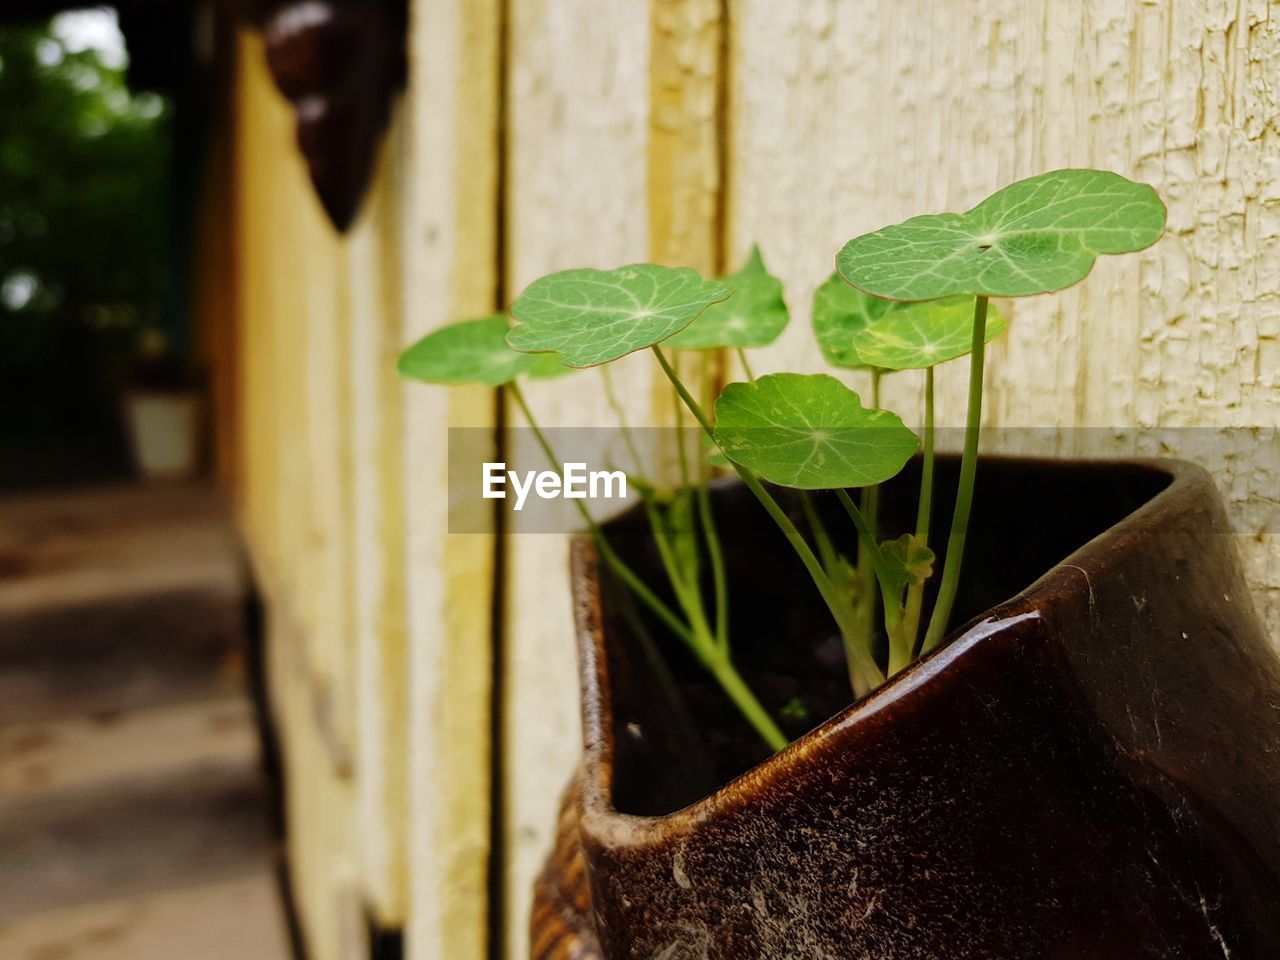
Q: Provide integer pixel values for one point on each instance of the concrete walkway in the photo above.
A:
(133, 813)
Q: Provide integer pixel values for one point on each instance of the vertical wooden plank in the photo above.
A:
(578, 116)
(840, 125)
(685, 134)
(375, 563)
(449, 244)
(293, 492)
(602, 128)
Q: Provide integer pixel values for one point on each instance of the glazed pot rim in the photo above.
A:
(1070, 577)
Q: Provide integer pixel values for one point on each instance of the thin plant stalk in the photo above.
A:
(692, 605)
(950, 581)
(831, 563)
(715, 552)
(915, 592)
(899, 652)
(871, 672)
(712, 658)
(687, 591)
(691, 597)
(865, 601)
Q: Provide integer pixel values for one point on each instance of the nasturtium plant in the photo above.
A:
(914, 336)
(752, 317)
(811, 432)
(910, 296)
(472, 351)
(591, 317)
(1034, 236)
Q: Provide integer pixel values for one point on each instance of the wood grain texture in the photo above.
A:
(288, 276)
(450, 269)
(578, 115)
(839, 126)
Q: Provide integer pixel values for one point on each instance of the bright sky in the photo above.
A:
(95, 28)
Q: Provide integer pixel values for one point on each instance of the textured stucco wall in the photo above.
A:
(847, 115)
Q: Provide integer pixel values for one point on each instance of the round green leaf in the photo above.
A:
(810, 431)
(912, 336)
(1034, 236)
(752, 317)
(840, 313)
(472, 351)
(591, 317)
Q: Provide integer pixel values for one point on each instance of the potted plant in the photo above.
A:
(162, 412)
(1065, 743)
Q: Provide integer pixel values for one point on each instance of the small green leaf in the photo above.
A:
(840, 313)
(811, 432)
(472, 351)
(547, 366)
(752, 317)
(794, 710)
(1034, 236)
(912, 336)
(591, 317)
(910, 562)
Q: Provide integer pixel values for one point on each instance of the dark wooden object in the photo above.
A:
(339, 63)
(1087, 771)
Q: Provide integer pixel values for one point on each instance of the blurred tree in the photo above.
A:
(85, 229)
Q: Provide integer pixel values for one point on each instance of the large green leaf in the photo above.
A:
(912, 336)
(1034, 236)
(591, 317)
(472, 351)
(752, 317)
(840, 313)
(810, 431)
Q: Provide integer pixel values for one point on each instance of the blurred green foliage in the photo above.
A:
(85, 228)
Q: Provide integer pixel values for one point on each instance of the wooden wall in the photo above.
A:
(542, 134)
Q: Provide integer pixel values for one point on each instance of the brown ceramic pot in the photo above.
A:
(1088, 769)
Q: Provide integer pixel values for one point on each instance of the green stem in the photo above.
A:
(700, 643)
(623, 572)
(915, 593)
(899, 652)
(867, 666)
(733, 684)
(688, 591)
(826, 552)
(719, 582)
(964, 491)
(831, 563)
(746, 367)
(866, 577)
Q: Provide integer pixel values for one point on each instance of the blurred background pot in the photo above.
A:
(1088, 770)
(163, 413)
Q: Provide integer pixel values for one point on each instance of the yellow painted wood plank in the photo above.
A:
(449, 194)
(374, 450)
